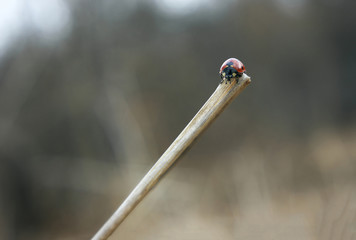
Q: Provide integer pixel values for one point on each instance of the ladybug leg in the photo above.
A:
(222, 76)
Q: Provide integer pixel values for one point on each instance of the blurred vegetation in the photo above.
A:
(83, 117)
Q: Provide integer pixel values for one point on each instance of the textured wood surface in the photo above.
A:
(217, 102)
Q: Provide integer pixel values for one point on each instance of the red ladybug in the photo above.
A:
(231, 69)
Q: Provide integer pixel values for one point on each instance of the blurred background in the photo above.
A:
(93, 92)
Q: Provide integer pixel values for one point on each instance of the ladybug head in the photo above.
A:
(229, 72)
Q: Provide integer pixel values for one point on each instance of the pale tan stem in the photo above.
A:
(218, 101)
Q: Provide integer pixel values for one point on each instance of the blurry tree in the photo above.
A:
(111, 95)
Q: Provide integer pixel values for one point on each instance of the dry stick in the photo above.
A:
(218, 101)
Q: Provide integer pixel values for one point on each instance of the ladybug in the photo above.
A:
(231, 69)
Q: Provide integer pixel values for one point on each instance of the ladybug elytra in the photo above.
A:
(231, 69)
